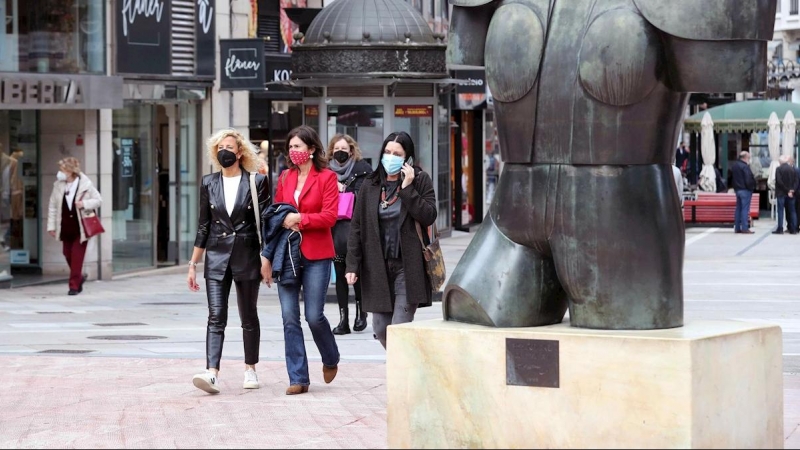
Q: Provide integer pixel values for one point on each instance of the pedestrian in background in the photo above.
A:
(345, 159)
(384, 250)
(73, 193)
(310, 187)
(678, 176)
(682, 157)
(785, 183)
(793, 163)
(744, 183)
(227, 233)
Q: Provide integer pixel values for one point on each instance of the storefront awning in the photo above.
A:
(742, 117)
(362, 80)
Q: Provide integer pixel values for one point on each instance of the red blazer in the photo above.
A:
(319, 207)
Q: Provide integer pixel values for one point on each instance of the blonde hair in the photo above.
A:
(70, 164)
(249, 160)
(354, 150)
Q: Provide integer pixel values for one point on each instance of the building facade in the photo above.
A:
(129, 88)
(784, 62)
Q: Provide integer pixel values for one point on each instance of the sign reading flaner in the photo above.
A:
(242, 65)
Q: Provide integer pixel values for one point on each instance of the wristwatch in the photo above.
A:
(192, 264)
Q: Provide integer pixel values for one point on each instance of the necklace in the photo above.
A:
(392, 197)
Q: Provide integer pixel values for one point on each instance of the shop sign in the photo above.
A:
(413, 111)
(126, 148)
(143, 36)
(206, 36)
(312, 111)
(243, 67)
(279, 68)
(42, 92)
(472, 81)
(33, 91)
(20, 257)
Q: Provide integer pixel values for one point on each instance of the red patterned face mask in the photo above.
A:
(299, 157)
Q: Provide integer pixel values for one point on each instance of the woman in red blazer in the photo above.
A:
(313, 189)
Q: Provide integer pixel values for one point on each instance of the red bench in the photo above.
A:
(711, 207)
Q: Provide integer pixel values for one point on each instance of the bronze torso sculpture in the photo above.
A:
(589, 95)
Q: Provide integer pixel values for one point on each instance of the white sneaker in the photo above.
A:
(206, 381)
(250, 379)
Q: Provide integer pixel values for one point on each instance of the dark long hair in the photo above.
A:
(405, 141)
(309, 137)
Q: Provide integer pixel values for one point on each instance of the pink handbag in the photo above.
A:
(346, 202)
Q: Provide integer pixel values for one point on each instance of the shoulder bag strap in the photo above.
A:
(419, 234)
(254, 196)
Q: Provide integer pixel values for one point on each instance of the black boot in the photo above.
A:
(343, 327)
(361, 318)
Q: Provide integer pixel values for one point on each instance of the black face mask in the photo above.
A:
(341, 157)
(226, 158)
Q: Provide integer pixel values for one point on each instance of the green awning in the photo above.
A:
(741, 117)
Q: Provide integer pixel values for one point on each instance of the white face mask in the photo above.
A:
(61, 176)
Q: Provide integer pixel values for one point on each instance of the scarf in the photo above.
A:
(342, 171)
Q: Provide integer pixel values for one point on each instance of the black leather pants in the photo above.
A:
(247, 297)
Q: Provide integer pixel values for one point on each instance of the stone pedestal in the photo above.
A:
(709, 384)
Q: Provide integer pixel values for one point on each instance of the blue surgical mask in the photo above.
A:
(392, 164)
(61, 176)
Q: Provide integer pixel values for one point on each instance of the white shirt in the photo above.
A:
(230, 187)
(71, 189)
(676, 173)
(297, 197)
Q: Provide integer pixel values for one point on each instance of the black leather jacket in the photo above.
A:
(230, 240)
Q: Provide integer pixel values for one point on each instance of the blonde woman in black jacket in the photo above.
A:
(228, 235)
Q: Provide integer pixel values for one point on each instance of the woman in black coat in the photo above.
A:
(384, 250)
(345, 159)
(227, 233)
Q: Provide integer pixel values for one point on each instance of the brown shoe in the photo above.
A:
(296, 389)
(329, 373)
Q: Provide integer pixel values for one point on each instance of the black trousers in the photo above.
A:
(247, 297)
(342, 288)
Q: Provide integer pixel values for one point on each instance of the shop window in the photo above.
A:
(417, 121)
(133, 193)
(52, 36)
(19, 192)
(492, 160)
(443, 176)
(364, 123)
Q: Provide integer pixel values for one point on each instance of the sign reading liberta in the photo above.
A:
(35, 91)
(242, 64)
(143, 36)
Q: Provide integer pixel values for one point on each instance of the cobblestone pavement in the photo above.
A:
(133, 393)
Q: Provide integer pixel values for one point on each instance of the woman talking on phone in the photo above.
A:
(384, 250)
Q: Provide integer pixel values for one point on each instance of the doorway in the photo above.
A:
(165, 254)
(156, 176)
(178, 149)
(467, 163)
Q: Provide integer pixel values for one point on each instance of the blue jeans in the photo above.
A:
(787, 202)
(741, 220)
(315, 279)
